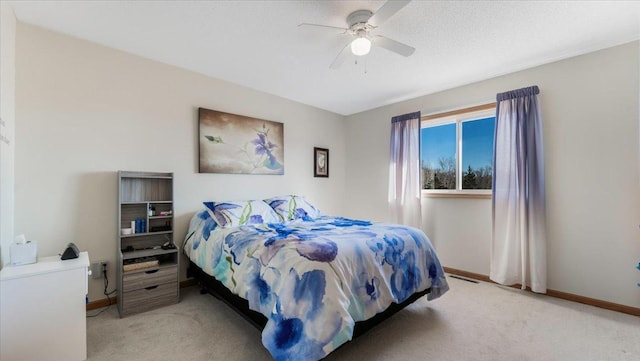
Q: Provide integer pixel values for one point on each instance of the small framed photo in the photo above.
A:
(320, 162)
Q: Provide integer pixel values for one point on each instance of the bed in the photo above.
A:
(310, 282)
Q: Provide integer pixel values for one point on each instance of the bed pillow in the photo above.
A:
(233, 214)
(293, 207)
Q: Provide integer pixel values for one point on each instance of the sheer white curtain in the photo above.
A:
(404, 170)
(518, 249)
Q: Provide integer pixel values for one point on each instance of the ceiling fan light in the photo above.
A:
(360, 46)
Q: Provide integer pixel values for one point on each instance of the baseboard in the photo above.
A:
(557, 294)
(101, 303)
(188, 283)
(105, 302)
(475, 276)
(595, 302)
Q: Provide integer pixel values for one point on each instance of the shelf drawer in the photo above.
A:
(151, 297)
(142, 279)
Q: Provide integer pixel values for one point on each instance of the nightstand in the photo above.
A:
(43, 310)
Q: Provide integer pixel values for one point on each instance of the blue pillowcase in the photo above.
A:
(293, 207)
(233, 214)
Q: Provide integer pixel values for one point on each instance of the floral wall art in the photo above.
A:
(231, 143)
(320, 162)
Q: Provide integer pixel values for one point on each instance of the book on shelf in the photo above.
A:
(140, 263)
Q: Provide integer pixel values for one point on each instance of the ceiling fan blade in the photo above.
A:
(342, 56)
(386, 11)
(392, 45)
(324, 26)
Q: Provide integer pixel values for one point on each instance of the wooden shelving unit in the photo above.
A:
(155, 286)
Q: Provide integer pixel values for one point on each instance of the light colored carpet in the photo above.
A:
(471, 322)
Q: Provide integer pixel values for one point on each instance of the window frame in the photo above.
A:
(458, 117)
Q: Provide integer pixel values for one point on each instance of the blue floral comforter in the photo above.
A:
(314, 279)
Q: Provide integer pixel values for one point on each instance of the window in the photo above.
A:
(457, 150)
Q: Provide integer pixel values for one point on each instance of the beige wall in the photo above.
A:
(7, 127)
(590, 114)
(86, 111)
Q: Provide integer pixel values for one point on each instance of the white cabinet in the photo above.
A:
(43, 310)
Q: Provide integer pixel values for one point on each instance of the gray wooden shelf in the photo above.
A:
(161, 266)
(146, 233)
(147, 253)
(147, 202)
(137, 192)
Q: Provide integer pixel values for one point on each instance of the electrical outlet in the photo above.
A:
(97, 268)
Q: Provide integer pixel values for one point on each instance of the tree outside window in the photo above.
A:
(457, 151)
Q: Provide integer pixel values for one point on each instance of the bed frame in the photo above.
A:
(212, 286)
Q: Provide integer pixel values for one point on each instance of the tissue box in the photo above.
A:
(24, 253)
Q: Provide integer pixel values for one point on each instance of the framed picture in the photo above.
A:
(320, 162)
(231, 143)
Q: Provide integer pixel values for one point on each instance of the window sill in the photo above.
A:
(456, 194)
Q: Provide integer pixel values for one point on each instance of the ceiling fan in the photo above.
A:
(361, 24)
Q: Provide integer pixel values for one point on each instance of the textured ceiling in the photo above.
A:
(258, 44)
